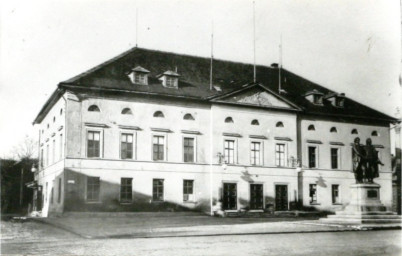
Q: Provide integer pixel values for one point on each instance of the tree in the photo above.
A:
(26, 149)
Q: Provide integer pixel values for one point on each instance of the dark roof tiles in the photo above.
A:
(194, 81)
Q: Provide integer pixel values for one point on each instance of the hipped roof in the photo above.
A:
(194, 81)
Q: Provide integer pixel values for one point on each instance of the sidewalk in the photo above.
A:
(173, 225)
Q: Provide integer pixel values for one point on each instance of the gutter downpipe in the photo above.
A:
(210, 161)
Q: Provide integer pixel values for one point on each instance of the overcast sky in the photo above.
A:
(348, 46)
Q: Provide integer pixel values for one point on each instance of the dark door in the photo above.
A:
(281, 197)
(256, 197)
(229, 196)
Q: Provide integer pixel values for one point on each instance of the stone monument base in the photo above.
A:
(365, 208)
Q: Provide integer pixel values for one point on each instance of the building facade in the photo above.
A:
(146, 131)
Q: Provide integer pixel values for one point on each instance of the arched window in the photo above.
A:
(354, 131)
(374, 134)
(333, 129)
(54, 119)
(126, 111)
(188, 116)
(311, 127)
(279, 124)
(93, 108)
(229, 120)
(61, 111)
(47, 126)
(159, 114)
(255, 122)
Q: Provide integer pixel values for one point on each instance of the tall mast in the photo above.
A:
(212, 57)
(255, 75)
(136, 28)
(280, 65)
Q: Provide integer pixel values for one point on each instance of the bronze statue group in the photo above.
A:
(365, 161)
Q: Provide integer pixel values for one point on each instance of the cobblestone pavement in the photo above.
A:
(40, 239)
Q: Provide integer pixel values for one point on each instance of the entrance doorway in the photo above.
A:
(256, 197)
(281, 197)
(229, 196)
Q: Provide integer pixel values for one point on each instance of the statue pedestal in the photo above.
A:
(365, 198)
(365, 208)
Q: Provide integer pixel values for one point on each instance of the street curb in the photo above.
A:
(40, 220)
(184, 234)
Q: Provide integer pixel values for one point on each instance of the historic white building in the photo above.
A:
(145, 131)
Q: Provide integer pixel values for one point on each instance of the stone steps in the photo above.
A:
(364, 217)
(361, 221)
(366, 213)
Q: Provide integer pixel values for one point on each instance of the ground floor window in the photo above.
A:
(188, 190)
(93, 189)
(157, 190)
(313, 193)
(126, 190)
(335, 194)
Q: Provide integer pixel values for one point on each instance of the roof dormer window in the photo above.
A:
(139, 75)
(314, 97)
(337, 100)
(170, 79)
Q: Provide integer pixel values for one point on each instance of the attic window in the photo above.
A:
(255, 122)
(159, 114)
(61, 111)
(374, 134)
(311, 127)
(317, 99)
(337, 100)
(126, 111)
(354, 131)
(170, 79)
(340, 102)
(188, 117)
(334, 130)
(229, 120)
(279, 124)
(139, 75)
(314, 97)
(93, 108)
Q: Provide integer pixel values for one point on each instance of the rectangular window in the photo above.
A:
(41, 157)
(126, 190)
(229, 151)
(312, 157)
(280, 154)
(93, 189)
(188, 150)
(335, 194)
(126, 146)
(61, 147)
(47, 186)
(317, 99)
(170, 81)
(255, 151)
(139, 78)
(51, 196)
(158, 148)
(313, 193)
(188, 190)
(54, 151)
(334, 158)
(47, 154)
(59, 192)
(93, 149)
(157, 190)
